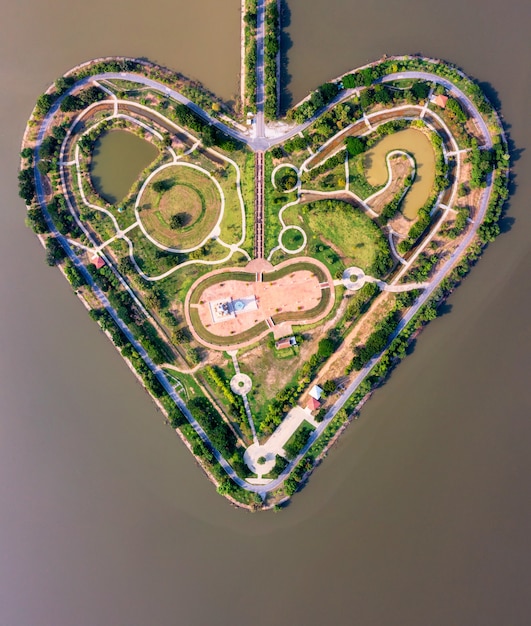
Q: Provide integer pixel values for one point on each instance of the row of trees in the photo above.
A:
(298, 440)
(482, 162)
(234, 401)
(376, 342)
(490, 228)
(250, 54)
(369, 95)
(419, 227)
(218, 432)
(392, 208)
(325, 166)
(459, 225)
(85, 98)
(131, 315)
(271, 51)
(210, 135)
(415, 63)
(318, 99)
(151, 382)
(36, 221)
(26, 185)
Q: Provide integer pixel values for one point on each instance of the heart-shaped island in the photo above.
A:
(262, 274)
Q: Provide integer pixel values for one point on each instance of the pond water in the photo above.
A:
(418, 145)
(119, 157)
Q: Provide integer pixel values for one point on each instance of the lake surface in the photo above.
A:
(118, 159)
(415, 143)
(421, 514)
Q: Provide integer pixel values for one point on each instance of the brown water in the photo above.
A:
(413, 142)
(422, 513)
(118, 159)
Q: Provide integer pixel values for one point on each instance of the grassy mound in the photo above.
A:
(351, 233)
(180, 207)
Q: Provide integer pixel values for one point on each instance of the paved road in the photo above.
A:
(260, 71)
(257, 144)
(157, 371)
(263, 143)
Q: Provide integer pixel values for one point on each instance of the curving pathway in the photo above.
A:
(258, 143)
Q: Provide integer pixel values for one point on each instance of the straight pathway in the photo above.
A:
(234, 358)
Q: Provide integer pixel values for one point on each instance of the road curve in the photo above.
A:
(259, 144)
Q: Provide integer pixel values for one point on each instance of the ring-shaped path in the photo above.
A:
(213, 233)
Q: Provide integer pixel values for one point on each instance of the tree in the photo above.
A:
(71, 103)
(208, 136)
(160, 186)
(44, 102)
(74, 275)
(35, 220)
(26, 185)
(456, 110)
(179, 220)
(48, 148)
(44, 167)
(54, 251)
(329, 386)
(288, 181)
(90, 95)
(349, 81)
(180, 335)
(59, 132)
(63, 83)
(125, 266)
(328, 91)
(326, 348)
(366, 98)
(367, 76)
(420, 90)
(356, 145)
(27, 153)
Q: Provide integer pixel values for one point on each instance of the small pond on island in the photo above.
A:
(118, 158)
(419, 146)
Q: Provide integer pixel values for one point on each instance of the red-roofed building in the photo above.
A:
(98, 262)
(440, 101)
(313, 405)
(287, 342)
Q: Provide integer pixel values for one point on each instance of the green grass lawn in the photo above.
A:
(355, 237)
(231, 225)
(292, 239)
(331, 180)
(189, 193)
(270, 374)
(247, 183)
(298, 440)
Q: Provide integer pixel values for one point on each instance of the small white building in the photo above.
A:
(316, 392)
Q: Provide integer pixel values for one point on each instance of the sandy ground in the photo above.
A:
(299, 291)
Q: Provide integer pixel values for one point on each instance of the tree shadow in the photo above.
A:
(286, 43)
(444, 309)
